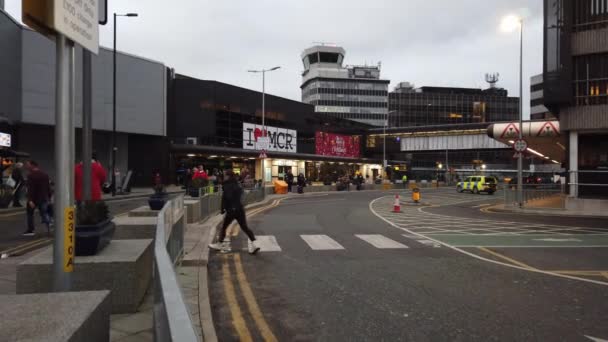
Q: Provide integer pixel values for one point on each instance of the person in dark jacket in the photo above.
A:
(301, 183)
(233, 208)
(17, 176)
(289, 180)
(38, 195)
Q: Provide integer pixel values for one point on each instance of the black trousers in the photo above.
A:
(239, 216)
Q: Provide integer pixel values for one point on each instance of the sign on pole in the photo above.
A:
(69, 237)
(520, 145)
(76, 19)
(263, 143)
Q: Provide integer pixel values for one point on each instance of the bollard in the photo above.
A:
(416, 195)
(397, 205)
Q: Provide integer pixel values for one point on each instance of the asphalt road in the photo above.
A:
(12, 225)
(344, 274)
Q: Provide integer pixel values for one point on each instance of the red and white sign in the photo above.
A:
(337, 145)
(511, 131)
(548, 129)
(256, 137)
(520, 145)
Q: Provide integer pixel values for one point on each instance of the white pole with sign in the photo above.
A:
(68, 22)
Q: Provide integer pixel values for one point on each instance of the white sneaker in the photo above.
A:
(223, 247)
(253, 247)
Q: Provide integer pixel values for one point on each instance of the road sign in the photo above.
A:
(511, 131)
(76, 19)
(520, 145)
(262, 143)
(263, 155)
(103, 12)
(516, 155)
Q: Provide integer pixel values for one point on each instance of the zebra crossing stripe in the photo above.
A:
(380, 241)
(321, 242)
(267, 243)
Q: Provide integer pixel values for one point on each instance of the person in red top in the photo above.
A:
(98, 177)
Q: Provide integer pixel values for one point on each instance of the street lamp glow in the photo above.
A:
(440, 166)
(484, 166)
(510, 23)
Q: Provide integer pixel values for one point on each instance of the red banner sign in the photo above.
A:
(329, 144)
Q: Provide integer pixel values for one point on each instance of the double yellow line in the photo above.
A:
(238, 319)
(17, 250)
(236, 313)
(233, 230)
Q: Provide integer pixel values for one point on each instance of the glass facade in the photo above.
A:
(434, 106)
(353, 99)
(590, 15)
(591, 79)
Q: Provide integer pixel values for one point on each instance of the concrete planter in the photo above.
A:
(91, 239)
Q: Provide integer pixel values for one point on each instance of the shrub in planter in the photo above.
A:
(94, 227)
(157, 200)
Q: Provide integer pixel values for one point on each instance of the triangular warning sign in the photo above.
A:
(548, 129)
(511, 131)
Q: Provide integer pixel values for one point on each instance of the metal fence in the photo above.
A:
(172, 320)
(550, 196)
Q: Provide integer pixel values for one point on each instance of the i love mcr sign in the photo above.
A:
(278, 139)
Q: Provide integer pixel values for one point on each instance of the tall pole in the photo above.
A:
(64, 184)
(263, 101)
(87, 133)
(114, 115)
(520, 160)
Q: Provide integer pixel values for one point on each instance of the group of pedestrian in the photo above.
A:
(300, 181)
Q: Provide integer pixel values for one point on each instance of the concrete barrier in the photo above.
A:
(144, 211)
(66, 316)
(193, 210)
(132, 228)
(124, 267)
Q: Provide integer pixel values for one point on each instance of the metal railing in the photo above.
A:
(550, 196)
(172, 321)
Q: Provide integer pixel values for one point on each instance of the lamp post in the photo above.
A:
(509, 24)
(114, 105)
(263, 72)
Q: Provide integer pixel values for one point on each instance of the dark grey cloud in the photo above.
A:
(440, 42)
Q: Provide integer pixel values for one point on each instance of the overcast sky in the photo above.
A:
(428, 43)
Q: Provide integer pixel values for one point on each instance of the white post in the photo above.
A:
(64, 184)
(573, 164)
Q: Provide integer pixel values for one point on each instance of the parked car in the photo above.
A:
(478, 184)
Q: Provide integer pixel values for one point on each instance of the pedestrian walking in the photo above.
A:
(359, 181)
(17, 176)
(289, 180)
(98, 177)
(234, 210)
(404, 180)
(301, 183)
(38, 194)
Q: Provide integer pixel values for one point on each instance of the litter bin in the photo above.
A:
(280, 187)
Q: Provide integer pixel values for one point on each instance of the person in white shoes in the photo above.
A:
(233, 207)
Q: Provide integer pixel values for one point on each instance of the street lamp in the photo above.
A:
(384, 141)
(114, 105)
(510, 24)
(264, 71)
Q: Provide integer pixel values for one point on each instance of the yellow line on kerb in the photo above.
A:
(254, 308)
(233, 230)
(237, 317)
(498, 255)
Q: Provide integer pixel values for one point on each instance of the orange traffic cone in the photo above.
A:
(397, 206)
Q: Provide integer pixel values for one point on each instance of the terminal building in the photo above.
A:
(350, 92)
(575, 90)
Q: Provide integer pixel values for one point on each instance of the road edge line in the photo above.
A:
(252, 304)
(238, 321)
(480, 257)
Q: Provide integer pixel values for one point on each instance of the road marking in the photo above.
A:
(429, 243)
(237, 317)
(254, 308)
(595, 339)
(478, 257)
(267, 243)
(504, 257)
(321, 242)
(557, 240)
(380, 241)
